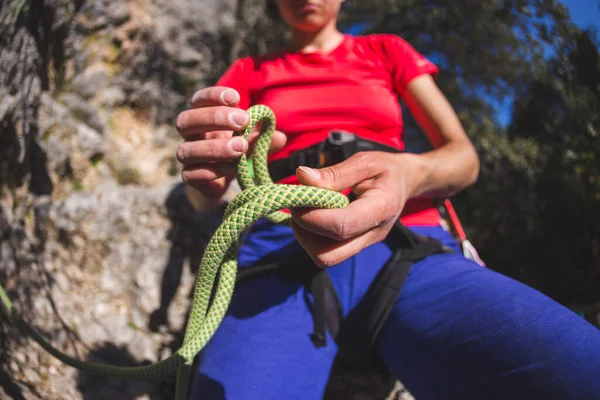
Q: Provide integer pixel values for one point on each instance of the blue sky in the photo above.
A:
(584, 13)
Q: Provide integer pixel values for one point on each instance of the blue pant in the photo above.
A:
(457, 331)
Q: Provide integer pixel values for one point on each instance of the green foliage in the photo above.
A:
(560, 111)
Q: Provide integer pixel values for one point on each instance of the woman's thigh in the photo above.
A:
(460, 331)
(262, 349)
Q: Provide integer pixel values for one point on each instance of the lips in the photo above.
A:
(308, 6)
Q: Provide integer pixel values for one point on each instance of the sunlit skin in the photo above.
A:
(383, 182)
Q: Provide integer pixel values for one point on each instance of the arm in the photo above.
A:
(453, 164)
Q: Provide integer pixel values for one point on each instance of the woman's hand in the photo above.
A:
(382, 183)
(208, 149)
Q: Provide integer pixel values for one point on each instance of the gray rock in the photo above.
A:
(51, 113)
(61, 281)
(146, 95)
(91, 81)
(59, 159)
(116, 12)
(112, 283)
(188, 57)
(89, 141)
(32, 376)
(14, 367)
(111, 97)
(83, 111)
(7, 103)
(106, 13)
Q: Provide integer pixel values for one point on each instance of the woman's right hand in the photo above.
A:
(208, 148)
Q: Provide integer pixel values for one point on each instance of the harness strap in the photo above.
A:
(373, 310)
(299, 268)
(362, 327)
(338, 146)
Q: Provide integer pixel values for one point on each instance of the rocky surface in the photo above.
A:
(98, 244)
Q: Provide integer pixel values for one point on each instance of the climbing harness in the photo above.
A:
(356, 334)
(260, 198)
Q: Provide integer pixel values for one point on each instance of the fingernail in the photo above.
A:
(313, 173)
(238, 118)
(229, 96)
(238, 145)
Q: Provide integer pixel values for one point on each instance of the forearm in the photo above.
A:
(444, 171)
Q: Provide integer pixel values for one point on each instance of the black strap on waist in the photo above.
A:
(337, 147)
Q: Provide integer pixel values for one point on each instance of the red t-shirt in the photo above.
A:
(354, 88)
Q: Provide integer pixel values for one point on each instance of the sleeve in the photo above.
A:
(237, 77)
(405, 62)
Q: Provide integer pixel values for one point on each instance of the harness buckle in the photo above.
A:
(339, 145)
(340, 137)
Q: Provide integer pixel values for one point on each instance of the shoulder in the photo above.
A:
(391, 50)
(254, 63)
(242, 64)
(382, 42)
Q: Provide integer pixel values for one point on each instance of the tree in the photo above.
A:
(560, 113)
(491, 50)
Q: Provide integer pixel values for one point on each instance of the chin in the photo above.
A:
(309, 23)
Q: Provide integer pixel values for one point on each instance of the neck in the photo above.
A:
(322, 41)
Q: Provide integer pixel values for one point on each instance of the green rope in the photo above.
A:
(260, 198)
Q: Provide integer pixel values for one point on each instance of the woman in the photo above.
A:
(456, 330)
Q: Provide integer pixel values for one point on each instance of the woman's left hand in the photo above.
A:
(382, 183)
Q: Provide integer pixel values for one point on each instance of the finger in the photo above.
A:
(202, 173)
(326, 252)
(210, 189)
(204, 151)
(278, 140)
(214, 135)
(374, 208)
(215, 96)
(208, 135)
(200, 120)
(344, 175)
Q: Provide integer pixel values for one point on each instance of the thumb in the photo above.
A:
(344, 175)
(278, 140)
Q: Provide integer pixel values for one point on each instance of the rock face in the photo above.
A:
(98, 244)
